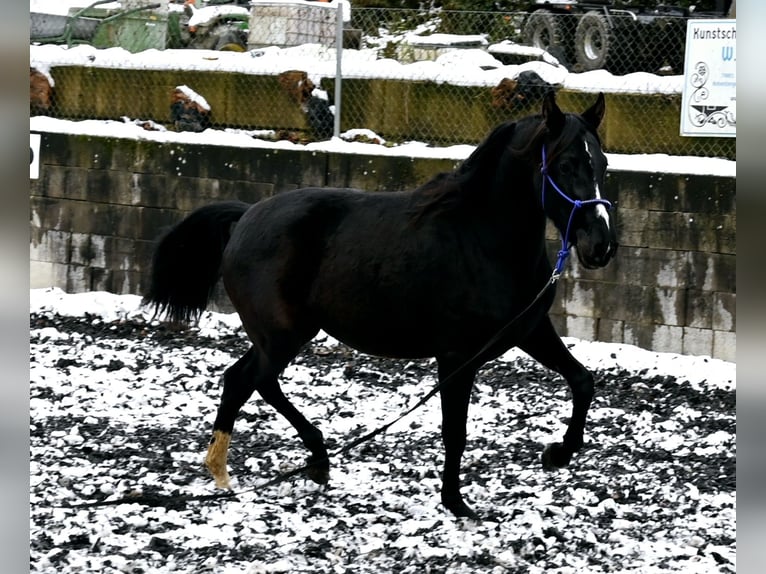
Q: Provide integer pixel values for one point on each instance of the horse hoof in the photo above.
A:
(318, 472)
(460, 509)
(222, 482)
(215, 460)
(555, 456)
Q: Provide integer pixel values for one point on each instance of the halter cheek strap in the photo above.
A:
(576, 204)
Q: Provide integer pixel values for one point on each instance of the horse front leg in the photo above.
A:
(545, 346)
(558, 454)
(455, 396)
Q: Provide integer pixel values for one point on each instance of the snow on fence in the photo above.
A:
(439, 77)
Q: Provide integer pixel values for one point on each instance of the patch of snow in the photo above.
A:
(208, 14)
(194, 97)
(656, 163)
(440, 39)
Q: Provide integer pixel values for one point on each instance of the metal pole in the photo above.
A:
(338, 61)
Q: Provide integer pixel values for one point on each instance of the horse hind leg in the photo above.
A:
(256, 371)
(238, 385)
(545, 346)
(319, 462)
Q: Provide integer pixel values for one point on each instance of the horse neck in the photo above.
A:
(508, 221)
(493, 189)
(505, 174)
(512, 198)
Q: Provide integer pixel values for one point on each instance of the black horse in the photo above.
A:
(434, 272)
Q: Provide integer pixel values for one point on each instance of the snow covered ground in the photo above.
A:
(121, 406)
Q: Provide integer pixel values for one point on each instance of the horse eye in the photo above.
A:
(565, 168)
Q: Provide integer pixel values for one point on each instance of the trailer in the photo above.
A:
(136, 26)
(621, 38)
(79, 25)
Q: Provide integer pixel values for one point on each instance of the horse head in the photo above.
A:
(571, 178)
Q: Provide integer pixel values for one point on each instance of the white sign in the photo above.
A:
(709, 99)
(34, 156)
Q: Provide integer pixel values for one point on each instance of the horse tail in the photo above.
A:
(186, 263)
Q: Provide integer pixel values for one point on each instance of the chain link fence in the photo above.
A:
(434, 76)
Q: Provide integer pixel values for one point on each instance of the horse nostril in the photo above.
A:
(603, 252)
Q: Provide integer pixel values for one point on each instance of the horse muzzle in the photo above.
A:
(595, 249)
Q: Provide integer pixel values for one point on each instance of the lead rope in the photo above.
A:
(164, 500)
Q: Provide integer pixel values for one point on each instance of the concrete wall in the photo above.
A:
(99, 204)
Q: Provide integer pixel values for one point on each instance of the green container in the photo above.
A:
(143, 30)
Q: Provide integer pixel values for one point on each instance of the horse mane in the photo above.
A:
(473, 178)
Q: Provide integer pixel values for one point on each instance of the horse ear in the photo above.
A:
(554, 117)
(594, 114)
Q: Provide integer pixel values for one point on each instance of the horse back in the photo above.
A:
(290, 251)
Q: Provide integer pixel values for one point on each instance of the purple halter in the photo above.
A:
(576, 204)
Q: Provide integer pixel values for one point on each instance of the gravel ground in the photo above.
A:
(122, 407)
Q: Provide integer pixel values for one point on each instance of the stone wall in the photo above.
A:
(99, 204)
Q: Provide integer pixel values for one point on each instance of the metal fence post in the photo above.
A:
(338, 62)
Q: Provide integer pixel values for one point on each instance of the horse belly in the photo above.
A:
(395, 323)
(382, 342)
(422, 318)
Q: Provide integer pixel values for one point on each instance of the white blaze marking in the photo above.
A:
(600, 209)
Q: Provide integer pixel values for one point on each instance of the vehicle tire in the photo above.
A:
(594, 42)
(230, 42)
(548, 31)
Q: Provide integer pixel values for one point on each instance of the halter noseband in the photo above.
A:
(576, 204)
